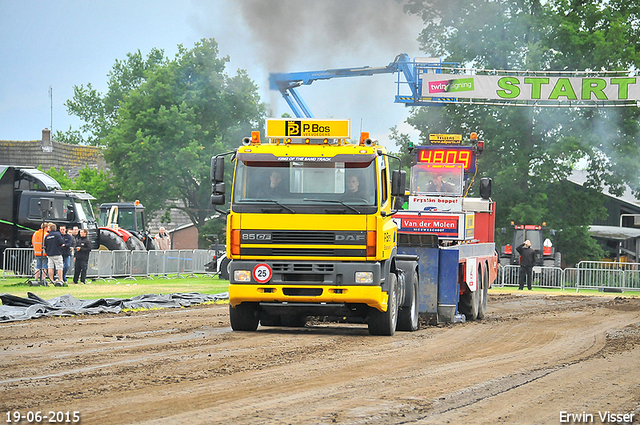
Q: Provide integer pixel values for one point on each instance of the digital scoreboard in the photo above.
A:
(465, 155)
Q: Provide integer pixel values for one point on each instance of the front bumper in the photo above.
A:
(309, 282)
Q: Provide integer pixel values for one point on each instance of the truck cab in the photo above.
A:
(29, 196)
(309, 231)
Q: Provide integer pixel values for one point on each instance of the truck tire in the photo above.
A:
(408, 319)
(110, 241)
(557, 260)
(469, 303)
(384, 323)
(224, 268)
(485, 294)
(135, 244)
(244, 317)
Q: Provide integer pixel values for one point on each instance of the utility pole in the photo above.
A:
(51, 101)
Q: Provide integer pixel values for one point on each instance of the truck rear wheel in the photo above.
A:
(469, 303)
(485, 294)
(109, 241)
(384, 323)
(244, 317)
(408, 319)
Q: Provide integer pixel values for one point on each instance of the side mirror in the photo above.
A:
(217, 169)
(46, 206)
(217, 199)
(398, 182)
(71, 212)
(485, 188)
(217, 193)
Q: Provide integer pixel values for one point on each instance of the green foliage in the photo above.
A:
(61, 177)
(98, 183)
(170, 125)
(99, 112)
(531, 151)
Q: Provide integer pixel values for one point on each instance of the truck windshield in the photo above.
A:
(292, 183)
(442, 179)
(84, 211)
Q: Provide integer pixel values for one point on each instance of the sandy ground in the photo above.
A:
(535, 359)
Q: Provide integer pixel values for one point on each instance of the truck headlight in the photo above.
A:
(364, 277)
(242, 275)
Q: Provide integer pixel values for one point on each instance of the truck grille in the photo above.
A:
(301, 268)
(303, 237)
(288, 243)
(305, 252)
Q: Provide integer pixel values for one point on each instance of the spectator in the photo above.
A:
(527, 261)
(53, 245)
(67, 251)
(75, 233)
(38, 249)
(163, 241)
(82, 251)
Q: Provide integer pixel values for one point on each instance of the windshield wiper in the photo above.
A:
(272, 201)
(333, 201)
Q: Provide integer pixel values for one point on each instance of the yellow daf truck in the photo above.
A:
(310, 230)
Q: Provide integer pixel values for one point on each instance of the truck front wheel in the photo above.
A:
(384, 323)
(244, 317)
(408, 319)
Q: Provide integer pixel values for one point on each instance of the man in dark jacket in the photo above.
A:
(527, 261)
(53, 246)
(83, 249)
(67, 251)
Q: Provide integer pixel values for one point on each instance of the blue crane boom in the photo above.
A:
(287, 82)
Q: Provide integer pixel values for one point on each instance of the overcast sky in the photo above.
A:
(63, 43)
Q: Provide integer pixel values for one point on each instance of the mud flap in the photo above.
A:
(448, 290)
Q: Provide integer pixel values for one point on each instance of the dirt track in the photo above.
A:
(533, 357)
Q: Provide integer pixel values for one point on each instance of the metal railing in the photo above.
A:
(587, 275)
(543, 277)
(111, 265)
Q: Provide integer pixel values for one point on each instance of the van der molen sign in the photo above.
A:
(533, 88)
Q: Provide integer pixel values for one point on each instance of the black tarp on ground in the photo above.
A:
(17, 308)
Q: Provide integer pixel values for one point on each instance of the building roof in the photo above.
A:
(614, 232)
(579, 177)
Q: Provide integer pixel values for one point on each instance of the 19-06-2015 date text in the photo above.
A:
(43, 417)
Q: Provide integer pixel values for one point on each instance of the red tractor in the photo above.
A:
(122, 227)
(545, 251)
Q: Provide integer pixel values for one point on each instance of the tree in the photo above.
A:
(530, 151)
(167, 129)
(99, 112)
(97, 183)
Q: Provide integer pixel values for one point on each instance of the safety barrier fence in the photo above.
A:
(110, 265)
(599, 275)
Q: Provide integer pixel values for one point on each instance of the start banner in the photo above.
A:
(532, 88)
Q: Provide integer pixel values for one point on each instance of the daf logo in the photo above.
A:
(349, 238)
